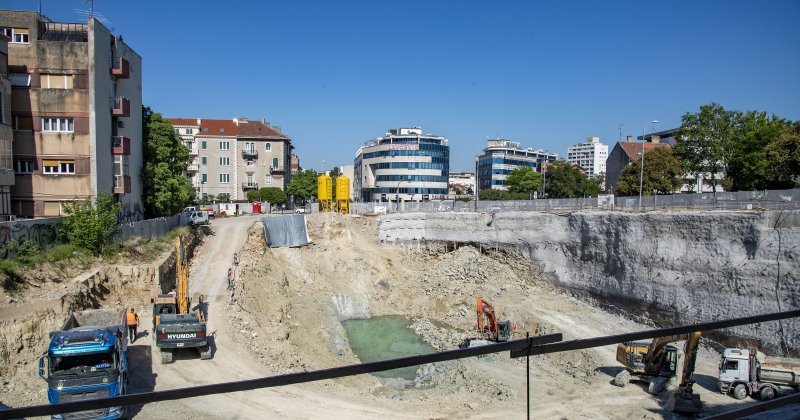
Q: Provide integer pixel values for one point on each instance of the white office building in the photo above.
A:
(590, 156)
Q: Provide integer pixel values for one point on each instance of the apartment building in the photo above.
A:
(76, 114)
(590, 156)
(463, 182)
(625, 152)
(500, 157)
(6, 167)
(403, 165)
(234, 156)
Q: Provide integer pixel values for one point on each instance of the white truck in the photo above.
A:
(745, 372)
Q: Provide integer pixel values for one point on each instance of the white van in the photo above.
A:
(199, 218)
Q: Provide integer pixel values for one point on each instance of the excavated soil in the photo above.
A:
(289, 304)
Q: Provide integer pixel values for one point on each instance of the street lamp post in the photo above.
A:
(641, 169)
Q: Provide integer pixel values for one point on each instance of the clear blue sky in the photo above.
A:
(334, 74)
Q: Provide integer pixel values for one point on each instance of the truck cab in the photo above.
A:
(86, 363)
(734, 369)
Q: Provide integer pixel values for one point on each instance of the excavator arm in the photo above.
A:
(484, 309)
(683, 401)
(182, 277)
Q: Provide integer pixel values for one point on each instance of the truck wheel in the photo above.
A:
(767, 393)
(166, 357)
(739, 392)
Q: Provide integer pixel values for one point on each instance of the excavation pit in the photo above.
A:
(385, 337)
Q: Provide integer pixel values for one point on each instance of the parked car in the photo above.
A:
(199, 218)
(189, 210)
(299, 210)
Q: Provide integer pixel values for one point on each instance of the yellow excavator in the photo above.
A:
(656, 364)
(174, 325)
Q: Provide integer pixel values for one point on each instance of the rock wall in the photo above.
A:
(671, 267)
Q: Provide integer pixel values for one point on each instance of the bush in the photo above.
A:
(91, 226)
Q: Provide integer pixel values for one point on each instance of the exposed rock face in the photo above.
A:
(672, 267)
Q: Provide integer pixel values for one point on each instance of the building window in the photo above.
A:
(225, 161)
(203, 145)
(56, 81)
(20, 79)
(203, 178)
(268, 179)
(2, 110)
(224, 178)
(275, 163)
(268, 146)
(22, 123)
(121, 165)
(204, 160)
(17, 35)
(62, 125)
(57, 167)
(22, 166)
(188, 131)
(250, 147)
(224, 145)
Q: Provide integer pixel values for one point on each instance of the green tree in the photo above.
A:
(662, 173)
(335, 173)
(705, 139)
(499, 195)
(303, 186)
(91, 226)
(166, 189)
(224, 197)
(783, 156)
(565, 180)
(524, 180)
(255, 195)
(274, 195)
(748, 166)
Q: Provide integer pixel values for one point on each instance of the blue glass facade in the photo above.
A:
(502, 157)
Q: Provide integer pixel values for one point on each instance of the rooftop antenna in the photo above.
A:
(620, 131)
(91, 7)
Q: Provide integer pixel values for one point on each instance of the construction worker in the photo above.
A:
(133, 322)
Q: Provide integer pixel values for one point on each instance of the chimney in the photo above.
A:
(629, 138)
(276, 128)
(655, 139)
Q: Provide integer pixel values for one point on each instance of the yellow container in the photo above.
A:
(324, 188)
(342, 188)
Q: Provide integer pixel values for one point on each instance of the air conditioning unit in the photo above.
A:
(121, 124)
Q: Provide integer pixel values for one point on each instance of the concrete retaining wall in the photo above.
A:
(673, 267)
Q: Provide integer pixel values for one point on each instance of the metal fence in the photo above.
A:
(739, 200)
(151, 228)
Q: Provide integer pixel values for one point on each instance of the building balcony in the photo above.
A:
(193, 151)
(120, 68)
(276, 169)
(120, 145)
(192, 168)
(120, 107)
(250, 169)
(250, 153)
(122, 184)
(249, 185)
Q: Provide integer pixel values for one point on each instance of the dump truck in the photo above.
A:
(87, 359)
(745, 372)
(176, 324)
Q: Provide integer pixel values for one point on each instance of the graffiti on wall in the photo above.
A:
(43, 234)
(130, 212)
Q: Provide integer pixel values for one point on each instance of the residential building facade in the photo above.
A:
(403, 165)
(624, 153)
(463, 182)
(295, 163)
(6, 138)
(500, 157)
(234, 156)
(590, 156)
(76, 115)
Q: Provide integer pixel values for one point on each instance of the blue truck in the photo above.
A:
(87, 359)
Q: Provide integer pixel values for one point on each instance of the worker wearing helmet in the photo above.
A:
(133, 321)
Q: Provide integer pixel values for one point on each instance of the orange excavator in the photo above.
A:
(488, 325)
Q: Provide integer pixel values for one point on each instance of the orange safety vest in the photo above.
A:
(133, 318)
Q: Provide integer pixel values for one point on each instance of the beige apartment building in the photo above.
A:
(234, 156)
(76, 114)
(6, 169)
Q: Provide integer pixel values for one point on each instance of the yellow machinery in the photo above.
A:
(325, 192)
(174, 325)
(343, 194)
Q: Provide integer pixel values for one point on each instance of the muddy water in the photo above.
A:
(385, 337)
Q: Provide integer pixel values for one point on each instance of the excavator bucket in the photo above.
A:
(685, 403)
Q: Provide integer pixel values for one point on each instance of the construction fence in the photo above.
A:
(152, 228)
(739, 200)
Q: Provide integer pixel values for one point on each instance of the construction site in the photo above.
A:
(366, 288)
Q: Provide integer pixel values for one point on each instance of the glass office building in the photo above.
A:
(500, 157)
(403, 165)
